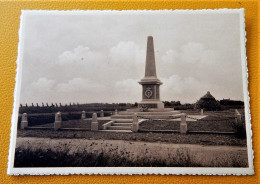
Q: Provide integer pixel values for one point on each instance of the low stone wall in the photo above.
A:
(183, 126)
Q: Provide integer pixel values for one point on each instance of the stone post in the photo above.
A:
(238, 116)
(116, 113)
(183, 125)
(236, 112)
(83, 115)
(101, 113)
(135, 125)
(94, 123)
(58, 120)
(24, 122)
(201, 112)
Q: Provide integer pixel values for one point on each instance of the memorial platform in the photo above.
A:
(166, 113)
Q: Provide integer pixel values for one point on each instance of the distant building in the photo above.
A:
(208, 102)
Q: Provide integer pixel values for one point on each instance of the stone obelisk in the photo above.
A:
(150, 83)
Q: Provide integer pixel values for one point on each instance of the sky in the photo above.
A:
(99, 58)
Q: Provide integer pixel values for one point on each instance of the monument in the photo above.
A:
(150, 83)
(129, 120)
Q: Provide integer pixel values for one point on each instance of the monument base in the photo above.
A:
(151, 104)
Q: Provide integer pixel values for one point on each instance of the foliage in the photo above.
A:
(240, 128)
(208, 104)
(171, 103)
(231, 102)
(116, 157)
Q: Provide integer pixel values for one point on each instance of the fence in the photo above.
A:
(183, 127)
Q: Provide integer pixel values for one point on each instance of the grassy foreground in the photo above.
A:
(34, 152)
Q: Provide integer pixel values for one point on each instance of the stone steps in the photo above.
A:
(122, 116)
(121, 124)
(142, 116)
(145, 115)
(125, 131)
(119, 127)
(149, 113)
(151, 110)
(123, 120)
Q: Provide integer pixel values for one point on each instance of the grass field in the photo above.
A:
(205, 124)
(78, 123)
(176, 138)
(38, 152)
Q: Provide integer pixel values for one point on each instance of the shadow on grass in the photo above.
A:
(49, 158)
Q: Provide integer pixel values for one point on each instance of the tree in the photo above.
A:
(208, 102)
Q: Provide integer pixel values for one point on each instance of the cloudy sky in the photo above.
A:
(100, 57)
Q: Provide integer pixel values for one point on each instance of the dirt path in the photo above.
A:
(205, 155)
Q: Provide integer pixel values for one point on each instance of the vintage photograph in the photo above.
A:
(131, 92)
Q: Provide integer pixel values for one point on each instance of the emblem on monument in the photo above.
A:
(148, 92)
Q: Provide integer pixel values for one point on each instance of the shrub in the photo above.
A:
(63, 156)
(239, 127)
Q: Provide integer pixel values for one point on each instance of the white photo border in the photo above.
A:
(130, 170)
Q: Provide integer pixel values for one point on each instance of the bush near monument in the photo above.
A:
(208, 102)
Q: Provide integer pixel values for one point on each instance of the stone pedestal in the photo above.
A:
(94, 123)
(183, 125)
(151, 104)
(135, 125)
(24, 122)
